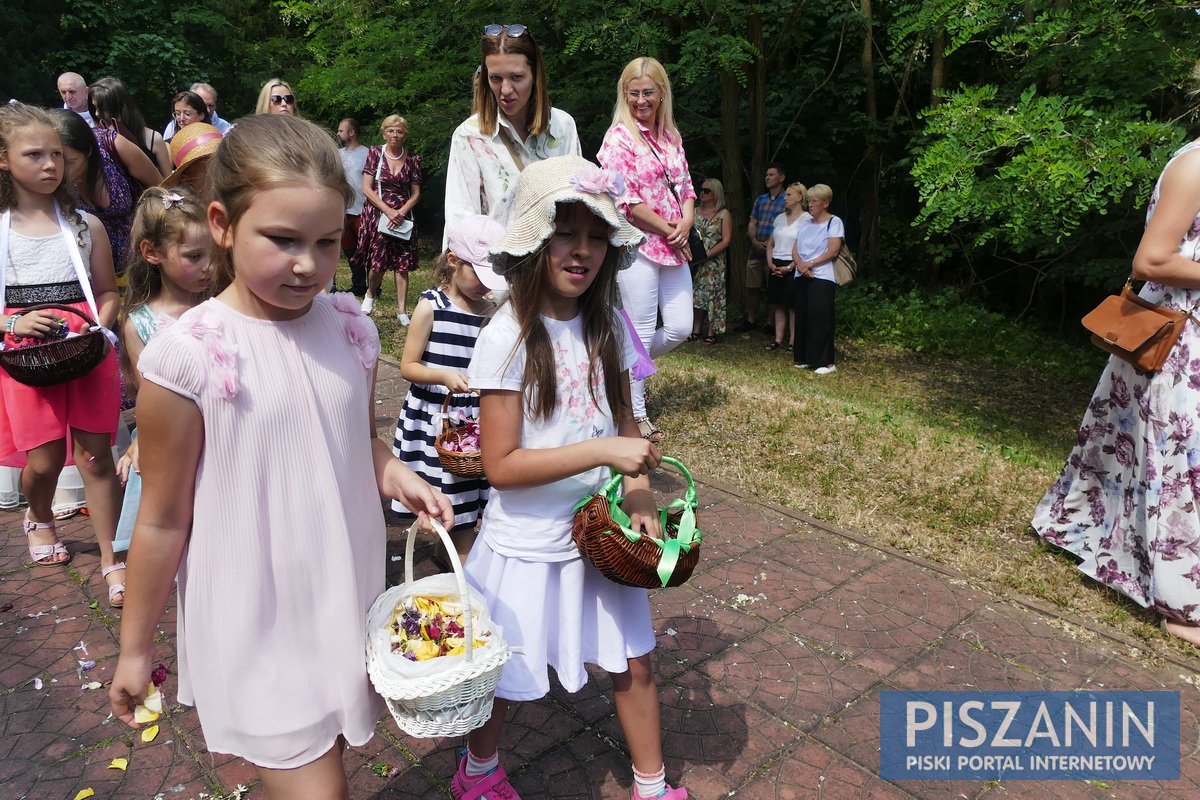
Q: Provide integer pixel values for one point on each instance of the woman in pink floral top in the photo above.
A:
(645, 147)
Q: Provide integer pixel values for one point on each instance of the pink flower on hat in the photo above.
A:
(591, 179)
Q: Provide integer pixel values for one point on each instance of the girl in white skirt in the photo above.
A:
(555, 415)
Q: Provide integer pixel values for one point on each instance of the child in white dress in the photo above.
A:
(554, 417)
(262, 476)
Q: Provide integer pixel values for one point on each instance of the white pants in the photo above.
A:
(646, 287)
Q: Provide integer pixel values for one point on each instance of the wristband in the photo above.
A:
(12, 324)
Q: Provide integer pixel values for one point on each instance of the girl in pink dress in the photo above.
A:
(262, 476)
(51, 253)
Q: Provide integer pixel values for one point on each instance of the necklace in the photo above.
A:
(392, 157)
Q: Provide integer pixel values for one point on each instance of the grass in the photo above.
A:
(942, 457)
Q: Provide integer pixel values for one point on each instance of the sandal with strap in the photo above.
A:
(114, 588)
(666, 794)
(45, 555)
(649, 432)
(492, 786)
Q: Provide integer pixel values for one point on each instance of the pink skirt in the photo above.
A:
(31, 416)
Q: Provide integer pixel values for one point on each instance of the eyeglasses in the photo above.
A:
(705, 190)
(634, 94)
(280, 99)
(495, 29)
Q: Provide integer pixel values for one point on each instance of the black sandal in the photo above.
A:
(649, 432)
(773, 346)
(710, 339)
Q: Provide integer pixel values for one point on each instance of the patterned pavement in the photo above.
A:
(770, 660)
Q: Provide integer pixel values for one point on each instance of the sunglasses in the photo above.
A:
(705, 190)
(280, 99)
(496, 29)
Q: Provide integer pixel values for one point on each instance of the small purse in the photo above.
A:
(1135, 330)
(403, 231)
(601, 530)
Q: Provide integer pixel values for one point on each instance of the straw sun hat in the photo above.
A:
(189, 146)
(564, 179)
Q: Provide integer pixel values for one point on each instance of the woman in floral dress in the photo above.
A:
(1128, 501)
(715, 226)
(391, 183)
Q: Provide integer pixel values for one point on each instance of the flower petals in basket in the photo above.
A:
(602, 531)
(438, 672)
(457, 446)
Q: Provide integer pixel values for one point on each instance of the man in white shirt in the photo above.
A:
(354, 158)
(209, 95)
(74, 92)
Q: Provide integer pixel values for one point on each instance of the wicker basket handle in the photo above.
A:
(44, 306)
(446, 408)
(463, 590)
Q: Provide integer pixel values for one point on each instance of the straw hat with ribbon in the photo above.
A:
(189, 146)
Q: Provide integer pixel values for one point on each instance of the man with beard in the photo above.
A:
(354, 157)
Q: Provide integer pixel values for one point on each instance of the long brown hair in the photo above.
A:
(537, 114)
(14, 117)
(263, 152)
(527, 281)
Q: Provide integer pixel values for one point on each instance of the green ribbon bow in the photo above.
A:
(687, 535)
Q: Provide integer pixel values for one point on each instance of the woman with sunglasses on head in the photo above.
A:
(512, 126)
(645, 147)
(276, 98)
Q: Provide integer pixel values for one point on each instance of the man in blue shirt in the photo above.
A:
(767, 207)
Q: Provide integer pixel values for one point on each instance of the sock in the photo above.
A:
(650, 784)
(477, 766)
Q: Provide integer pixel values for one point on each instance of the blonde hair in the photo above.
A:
(664, 117)
(265, 152)
(537, 113)
(264, 96)
(393, 121)
(820, 191)
(163, 223)
(443, 270)
(799, 187)
(718, 190)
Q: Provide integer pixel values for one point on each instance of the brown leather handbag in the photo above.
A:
(1135, 330)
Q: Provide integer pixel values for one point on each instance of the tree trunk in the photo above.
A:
(735, 186)
(868, 243)
(937, 57)
(756, 97)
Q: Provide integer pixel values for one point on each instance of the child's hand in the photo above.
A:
(129, 461)
(128, 688)
(37, 324)
(455, 381)
(419, 496)
(643, 516)
(631, 456)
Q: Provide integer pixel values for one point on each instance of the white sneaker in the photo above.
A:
(403, 318)
(368, 304)
(800, 366)
(825, 370)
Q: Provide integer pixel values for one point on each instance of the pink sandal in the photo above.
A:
(666, 794)
(114, 588)
(43, 555)
(492, 786)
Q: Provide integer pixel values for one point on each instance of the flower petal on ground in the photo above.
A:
(119, 763)
(148, 734)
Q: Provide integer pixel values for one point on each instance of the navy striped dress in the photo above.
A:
(451, 343)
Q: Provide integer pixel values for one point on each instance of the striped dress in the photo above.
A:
(451, 343)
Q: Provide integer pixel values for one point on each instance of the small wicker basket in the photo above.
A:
(464, 465)
(602, 532)
(452, 701)
(57, 361)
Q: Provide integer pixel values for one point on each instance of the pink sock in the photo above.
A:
(650, 784)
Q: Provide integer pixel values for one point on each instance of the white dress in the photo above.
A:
(550, 602)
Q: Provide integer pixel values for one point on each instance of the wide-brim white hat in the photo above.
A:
(564, 179)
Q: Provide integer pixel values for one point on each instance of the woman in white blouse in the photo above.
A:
(818, 242)
(513, 126)
(781, 288)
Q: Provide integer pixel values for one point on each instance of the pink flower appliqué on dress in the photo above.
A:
(222, 356)
(359, 329)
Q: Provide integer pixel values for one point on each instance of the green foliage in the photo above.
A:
(1028, 174)
(943, 322)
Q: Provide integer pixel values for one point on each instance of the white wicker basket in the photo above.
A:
(445, 702)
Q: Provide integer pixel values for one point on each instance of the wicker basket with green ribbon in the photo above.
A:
(604, 535)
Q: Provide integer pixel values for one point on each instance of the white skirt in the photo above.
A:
(563, 614)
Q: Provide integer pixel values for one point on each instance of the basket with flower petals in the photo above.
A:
(457, 445)
(433, 651)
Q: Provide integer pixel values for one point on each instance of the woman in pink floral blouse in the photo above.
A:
(645, 147)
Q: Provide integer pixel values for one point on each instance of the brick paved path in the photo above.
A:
(771, 661)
